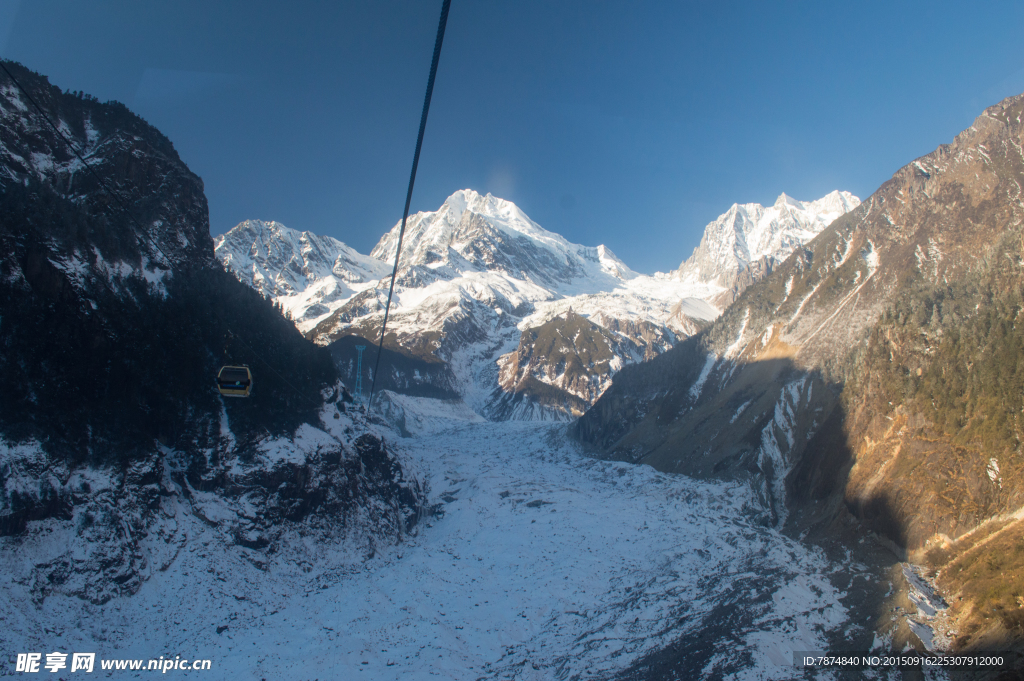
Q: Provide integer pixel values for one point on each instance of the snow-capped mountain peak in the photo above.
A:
(749, 232)
(470, 232)
(528, 324)
(502, 214)
(302, 270)
(835, 202)
(611, 264)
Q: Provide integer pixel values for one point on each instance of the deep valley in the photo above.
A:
(808, 437)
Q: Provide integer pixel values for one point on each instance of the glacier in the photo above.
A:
(539, 563)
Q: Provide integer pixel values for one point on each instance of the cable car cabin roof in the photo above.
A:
(234, 375)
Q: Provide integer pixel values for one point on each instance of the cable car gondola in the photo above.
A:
(234, 381)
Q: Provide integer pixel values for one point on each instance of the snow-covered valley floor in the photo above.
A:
(545, 565)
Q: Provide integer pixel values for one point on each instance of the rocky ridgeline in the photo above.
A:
(746, 242)
(311, 272)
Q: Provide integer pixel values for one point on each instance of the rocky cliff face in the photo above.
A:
(873, 370)
(97, 532)
(115, 319)
(566, 363)
(139, 164)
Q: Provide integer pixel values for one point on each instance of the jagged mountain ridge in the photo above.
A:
(478, 278)
(132, 155)
(301, 270)
(825, 385)
(113, 438)
(750, 239)
(474, 233)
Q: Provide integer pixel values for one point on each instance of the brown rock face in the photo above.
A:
(564, 365)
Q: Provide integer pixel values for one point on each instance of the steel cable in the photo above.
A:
(412, 180)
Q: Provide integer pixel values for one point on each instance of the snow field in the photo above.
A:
(545, 564)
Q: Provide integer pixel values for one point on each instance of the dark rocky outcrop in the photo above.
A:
(114, 319)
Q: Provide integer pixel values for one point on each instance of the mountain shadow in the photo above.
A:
(781, 430)
(96, 368)
(905, 315)
(400, 372)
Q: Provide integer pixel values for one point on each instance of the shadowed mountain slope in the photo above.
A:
(114, 320)
(902, 318)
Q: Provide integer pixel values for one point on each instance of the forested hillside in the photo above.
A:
(114, 320)
(879, 370)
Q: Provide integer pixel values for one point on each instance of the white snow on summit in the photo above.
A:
(486, 249)
(474, 233)
(309, 275)
(478, 273)
(749, 232)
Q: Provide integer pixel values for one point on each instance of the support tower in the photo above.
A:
(359, 373)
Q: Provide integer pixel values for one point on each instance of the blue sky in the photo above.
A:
(628, 124)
